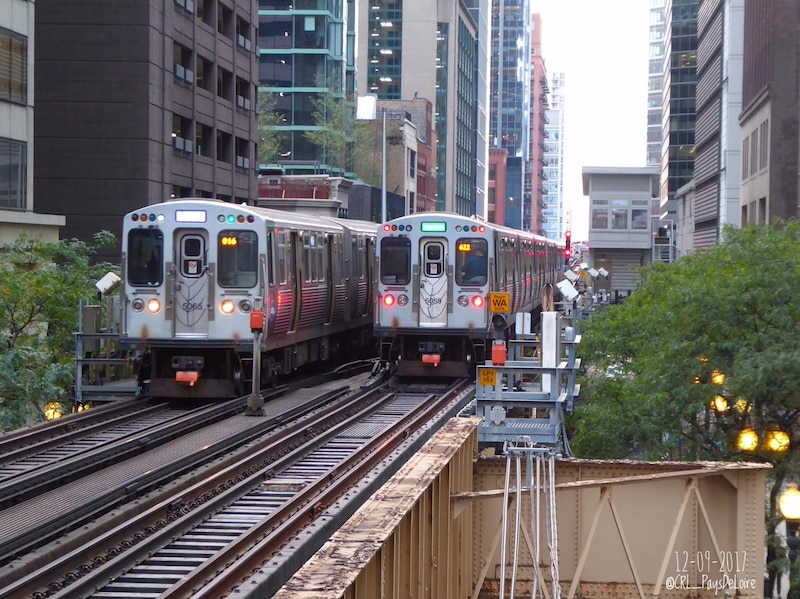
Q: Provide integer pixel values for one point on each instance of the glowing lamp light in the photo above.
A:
(719, 403)
(777, 440)
(153, 306)
(477, 301)
(227, 306)
(789, 502)
(718, 378)
(748, 440)
(53, 411)
(388, 301)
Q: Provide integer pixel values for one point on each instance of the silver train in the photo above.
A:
(440, 304)
(200, 276)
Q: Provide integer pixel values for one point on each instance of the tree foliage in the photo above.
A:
(652, 364)
(334, 118)
(41, 285)
(272, 142)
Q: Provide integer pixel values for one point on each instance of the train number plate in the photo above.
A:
(487, 377)
(499, 302)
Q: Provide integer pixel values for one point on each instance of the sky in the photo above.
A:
(602, 48)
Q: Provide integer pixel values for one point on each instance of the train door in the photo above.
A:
(433, 283)
(192, 305)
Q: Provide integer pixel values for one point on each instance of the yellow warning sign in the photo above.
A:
(487, 377)
(499, 302)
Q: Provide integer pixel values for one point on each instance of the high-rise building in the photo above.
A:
(555, 224)
(16, 127)
(533, 190)
(481, 13)
(509, 121)
(306, 53)
(655, 82)
(770, 158)
(138, 102)
(429, 49)
(717, 164)
(678, 139)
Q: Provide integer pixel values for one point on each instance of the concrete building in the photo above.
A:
(554, 213)
(429, 49)
(533, 193)
(509, 121)
(498, 158)
(717, 164)
(140, 102)
(623, 201)
(769, 118)
(17, 84)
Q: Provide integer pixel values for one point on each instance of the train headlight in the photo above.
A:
(463, 301)
(477, 301)
(388, 300)
(402, 299)
(137, 304)
(153, 306)
(227, 306)
(245, 307)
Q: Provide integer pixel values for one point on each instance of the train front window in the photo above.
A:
(395, 261)
(471, 262)
(145, 257)
(237, 259)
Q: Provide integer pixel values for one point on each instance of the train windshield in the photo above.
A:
(237, 259)
(145, 257)
(471, 263)
(395, 260)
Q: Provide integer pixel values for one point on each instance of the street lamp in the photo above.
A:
(789, 506)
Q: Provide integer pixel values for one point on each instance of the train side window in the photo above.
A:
(361, 257)
(270, 263)
(237, 259)
(395, 266)
(281, 258)
(471, 261)
(145, 257)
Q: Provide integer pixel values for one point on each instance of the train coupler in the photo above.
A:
(187, 369)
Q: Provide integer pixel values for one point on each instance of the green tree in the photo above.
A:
(652, 386)
(273, 143)
(40, 289)
(334, 118)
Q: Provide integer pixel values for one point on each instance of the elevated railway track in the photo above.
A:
(202, 510)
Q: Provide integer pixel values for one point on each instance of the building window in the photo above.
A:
(764, 152)
(182, 63)
(13, 174)
(13, 66)
(599, 218)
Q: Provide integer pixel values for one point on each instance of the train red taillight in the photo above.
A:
(388, 300)
(477, 301)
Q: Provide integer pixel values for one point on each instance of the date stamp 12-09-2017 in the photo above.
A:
(720, 572)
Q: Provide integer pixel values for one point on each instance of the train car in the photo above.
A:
(195, 271)
(438, 275)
